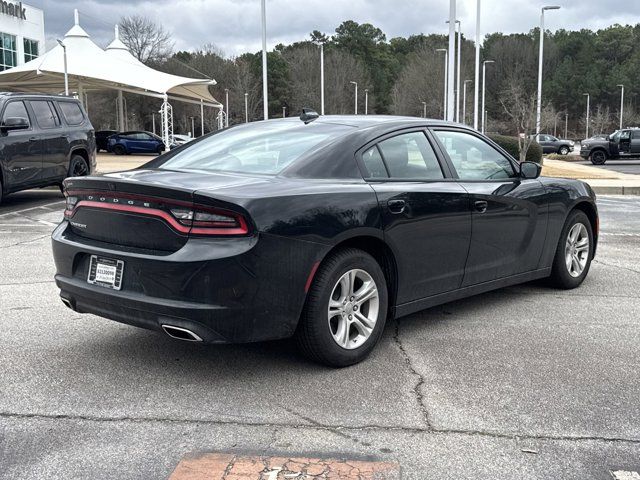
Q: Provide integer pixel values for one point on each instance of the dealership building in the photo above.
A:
(21, 33)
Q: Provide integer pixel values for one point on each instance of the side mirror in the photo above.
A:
(530, 170)
(15, 123)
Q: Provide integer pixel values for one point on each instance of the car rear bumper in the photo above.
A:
(223, 290)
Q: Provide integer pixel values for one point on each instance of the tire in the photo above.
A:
(564, 150)
(318, 332)
(78, 167)
(599, 157)
(119, 150)
(561, 275)
(160, 151)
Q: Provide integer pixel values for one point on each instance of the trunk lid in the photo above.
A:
(141, 208)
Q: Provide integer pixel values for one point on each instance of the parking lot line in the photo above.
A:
(43, 207)
(624, 475)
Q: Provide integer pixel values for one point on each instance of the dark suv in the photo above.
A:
(43, 140)
(620, 144)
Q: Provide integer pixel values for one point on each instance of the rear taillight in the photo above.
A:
(182, 216)
(208, 221)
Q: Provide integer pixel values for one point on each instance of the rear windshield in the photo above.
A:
(264, 147)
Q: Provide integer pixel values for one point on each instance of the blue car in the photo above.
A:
(135, 142)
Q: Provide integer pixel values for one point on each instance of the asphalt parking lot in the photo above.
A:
(620, 166)
(525, 382)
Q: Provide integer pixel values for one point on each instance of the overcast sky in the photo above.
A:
(234, 25)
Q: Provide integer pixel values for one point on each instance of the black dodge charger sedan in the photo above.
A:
(317, 228)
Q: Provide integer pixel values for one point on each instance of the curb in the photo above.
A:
(615, 190)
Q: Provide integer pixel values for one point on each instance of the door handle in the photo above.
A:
(33, 139)
(480, 206)
(396, 206)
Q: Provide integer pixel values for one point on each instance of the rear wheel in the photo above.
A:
(160, 150)
(78, 167)
(346, 309)
(119, 150)
(599, 157)
(564, 150)
(574, 252)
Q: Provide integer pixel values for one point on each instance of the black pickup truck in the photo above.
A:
(620, 144)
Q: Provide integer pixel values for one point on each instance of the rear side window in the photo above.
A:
(636, 134)
(373, 163)
(46, 115)
(72, 112)
(410, 156)
(15, 109)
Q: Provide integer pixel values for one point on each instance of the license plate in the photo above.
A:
(106, 272)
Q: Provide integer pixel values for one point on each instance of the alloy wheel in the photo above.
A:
(576, 250)
(353, 309)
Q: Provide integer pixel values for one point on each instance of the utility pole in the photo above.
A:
(484, 88)
(246, 108)
(366, 101)
(226, 101)
(265, 100)
(464, 101)
(451, 63)
(587, 129)
(540, 55)
(476, 93)
(356, 97)
(621, 104)
(446, 75)
(424, 109)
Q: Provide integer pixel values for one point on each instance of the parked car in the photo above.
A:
(319, 229)
(43, 140)
(620, 144)
(135, 142)
(179, 140)
(101, 139)
(551, 144)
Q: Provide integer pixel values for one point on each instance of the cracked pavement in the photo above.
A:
(524, 382)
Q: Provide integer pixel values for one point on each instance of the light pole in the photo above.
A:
(366, 101)
(587, 131)
(540, 55)
(424, 109)
(66, 73)
(451, 63)
(284, 112)
(446, 74)
(193, 127)
(265, 101)
(457, 75)
(566, 125)
(246, 108)
(226, 107)
(484, 88)
(355, 97)
(476, 86)
(321, 44)
(464, 101)
(621, 104)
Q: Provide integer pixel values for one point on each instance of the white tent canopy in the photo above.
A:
(89, 67)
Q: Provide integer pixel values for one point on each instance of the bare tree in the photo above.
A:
(520, 106)
(601, 120)
(147, 40)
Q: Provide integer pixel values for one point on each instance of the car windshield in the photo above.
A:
(615, 136)
(264, 148)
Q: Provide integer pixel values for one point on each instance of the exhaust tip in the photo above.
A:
(67, 302)
(180, 333)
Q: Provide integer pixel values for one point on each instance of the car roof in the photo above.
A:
(38, 95)
(365, 121)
